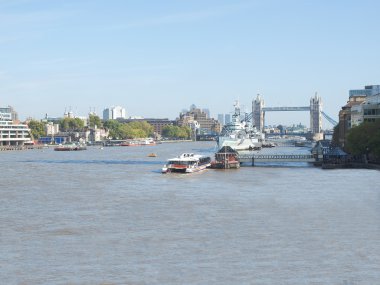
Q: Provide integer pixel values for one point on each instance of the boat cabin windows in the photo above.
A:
(182, 162)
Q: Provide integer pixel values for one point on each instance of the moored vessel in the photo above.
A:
(70, 147)
(240, 134)
(138, 142)
(187, 163)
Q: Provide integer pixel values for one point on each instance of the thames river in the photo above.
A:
(108, 216)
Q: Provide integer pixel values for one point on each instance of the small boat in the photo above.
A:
(70, 147)
(187, 163)
(152, 155)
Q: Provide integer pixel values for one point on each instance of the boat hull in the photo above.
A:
(187, 163)
(70, 148)
(239, 144)
(176, 169)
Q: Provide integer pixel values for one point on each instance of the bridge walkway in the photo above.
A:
(252, 158)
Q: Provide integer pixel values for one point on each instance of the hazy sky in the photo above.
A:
(156, 58)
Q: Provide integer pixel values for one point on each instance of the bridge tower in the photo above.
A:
(258, 113)
(315, 115)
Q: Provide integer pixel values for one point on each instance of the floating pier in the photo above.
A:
(226, 158)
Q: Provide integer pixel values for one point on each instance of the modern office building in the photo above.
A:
(363, 105)
(12, 133)
(8, 113)
(221, 119)
(227, 119)
(368, 90)
(114, 113)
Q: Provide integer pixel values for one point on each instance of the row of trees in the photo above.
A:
(117, 130)
(361, 140)
(176, 132)
(130, 130)
(37, 129)
(365, 139)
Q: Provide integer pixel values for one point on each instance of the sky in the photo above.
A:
(156, 58)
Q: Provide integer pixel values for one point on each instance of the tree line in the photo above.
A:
(117, 130)
(363, 139)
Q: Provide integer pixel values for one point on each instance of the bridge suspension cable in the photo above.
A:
(248, 116)
(328, 118)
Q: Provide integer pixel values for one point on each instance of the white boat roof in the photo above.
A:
(188, 157)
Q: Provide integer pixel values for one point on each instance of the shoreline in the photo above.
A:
(352, 165)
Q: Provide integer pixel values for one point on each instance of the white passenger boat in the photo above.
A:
(187, 163)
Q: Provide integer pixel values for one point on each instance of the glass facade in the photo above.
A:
(367, 91)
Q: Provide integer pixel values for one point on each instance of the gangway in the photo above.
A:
(252, 158)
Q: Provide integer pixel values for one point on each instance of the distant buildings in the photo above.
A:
(221, 119)
(227, 119)
(157, 124)
(114, 113)
(207, 112)
(363, 105)
(51, 129)
(8, 113)
(206, 124)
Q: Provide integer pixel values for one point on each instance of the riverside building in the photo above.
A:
(12, 133)
(363, 105)
(206, 124)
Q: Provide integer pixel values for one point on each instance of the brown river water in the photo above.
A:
(108, 216)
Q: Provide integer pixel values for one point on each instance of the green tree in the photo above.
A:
(71, 124)
(365, 139)
(176, 132)
(95, 121)
(130, 130)
(335, 138)
(37, 129)
(146, 129)
(114, 128)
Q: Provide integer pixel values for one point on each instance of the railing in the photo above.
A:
(276, 157)
(20, 147)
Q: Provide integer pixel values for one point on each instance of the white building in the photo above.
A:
(52, 129)
(114, 113)
(367, 111)
(12, 133)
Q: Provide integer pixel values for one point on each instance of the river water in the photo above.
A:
(108, 216)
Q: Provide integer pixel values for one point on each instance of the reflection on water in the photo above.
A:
(110, 217)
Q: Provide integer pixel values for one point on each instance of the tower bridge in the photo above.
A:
(315, 109)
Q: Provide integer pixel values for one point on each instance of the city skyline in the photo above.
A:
(155, 58)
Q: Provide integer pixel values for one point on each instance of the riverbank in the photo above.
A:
(350, 166)
(175, 141)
